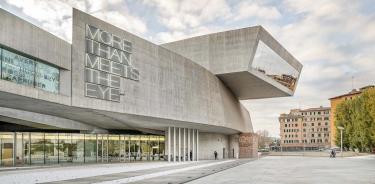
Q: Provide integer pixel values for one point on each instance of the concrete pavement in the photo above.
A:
(298, 170)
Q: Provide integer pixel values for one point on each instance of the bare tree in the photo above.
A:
(264, 140)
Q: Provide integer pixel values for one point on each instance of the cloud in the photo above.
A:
(55, 15)
(248, 9)
(185, 14)
(334, 39)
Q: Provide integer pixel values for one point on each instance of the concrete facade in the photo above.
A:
(199, 91)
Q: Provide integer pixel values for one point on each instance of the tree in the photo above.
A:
(263, 139)
(357, 116)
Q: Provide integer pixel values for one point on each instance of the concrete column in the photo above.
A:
(193, 144)
(107, 147)
(179, 144)
(129, 147)
(188, 133)
(184, 146)
(197, 145)
(174, 144)
(97, 148)
(102, 148)
(124, 143)
(14, 148)
(169, 144)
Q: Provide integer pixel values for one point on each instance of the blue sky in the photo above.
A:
(333, 39)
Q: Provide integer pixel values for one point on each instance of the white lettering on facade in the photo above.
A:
(107, 60)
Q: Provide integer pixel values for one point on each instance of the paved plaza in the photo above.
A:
(271, 169)
(298, 170)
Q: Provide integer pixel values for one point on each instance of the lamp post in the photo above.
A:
(341, 129)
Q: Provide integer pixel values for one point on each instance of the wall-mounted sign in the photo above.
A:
(107, 61)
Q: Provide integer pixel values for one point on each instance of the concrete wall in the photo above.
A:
(172, 90)
(234, 146)
(225, 52)
(170, 86)
(31, 40)
(211, 142)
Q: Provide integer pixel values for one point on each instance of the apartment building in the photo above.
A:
(305, 129)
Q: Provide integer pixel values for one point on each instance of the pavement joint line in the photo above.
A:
(194, 175)
(133, 173)
(161, 173)
(241, 163)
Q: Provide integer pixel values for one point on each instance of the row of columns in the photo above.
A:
(183, 144)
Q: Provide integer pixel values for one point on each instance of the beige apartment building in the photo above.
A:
(305, 129)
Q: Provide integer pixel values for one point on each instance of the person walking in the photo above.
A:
(191, 155)
(215, 154)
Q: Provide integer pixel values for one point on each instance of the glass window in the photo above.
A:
(65, 148)
(144, 149)
(29, 72)
(271, 64)
(162, 147)
(114, 148)
(90, 148)
(51, 148)
(6, 149)
(102, 148)
(17, 68)
(37, 148)
(47, 77)
(127, 148)
(78, 147)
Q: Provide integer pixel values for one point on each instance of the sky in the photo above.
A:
(333, 39)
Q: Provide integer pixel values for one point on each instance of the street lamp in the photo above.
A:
(341, 129)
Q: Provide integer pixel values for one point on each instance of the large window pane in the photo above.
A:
(127, 148)
(78, 147)
(26, 71)
(47, 77)
(65, 148)
(6, 149)
(17, 68)
(154, 145)
(145, 148)
(37, 148)
(90, 148)
(271, 64)
(26, 148)
(51, 148)
(162, 147)
(135, 147)
(114, 148)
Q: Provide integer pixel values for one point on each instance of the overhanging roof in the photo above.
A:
(230, 56)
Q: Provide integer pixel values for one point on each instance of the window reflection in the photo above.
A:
(37, 148)
(53, 148)
(47, 77)
(65, 148)
(17, 68)
(30, 72)
(6, 149)
(90, 148)
(271, 64)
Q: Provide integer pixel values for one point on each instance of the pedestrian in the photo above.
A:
(191, 155)
(215, 153)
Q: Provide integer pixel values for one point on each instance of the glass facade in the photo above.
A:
(26, 71)
(271, 64)
(25, 148)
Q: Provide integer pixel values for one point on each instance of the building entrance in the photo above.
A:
(31, 148)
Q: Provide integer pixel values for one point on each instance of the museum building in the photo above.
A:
(111, 96)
